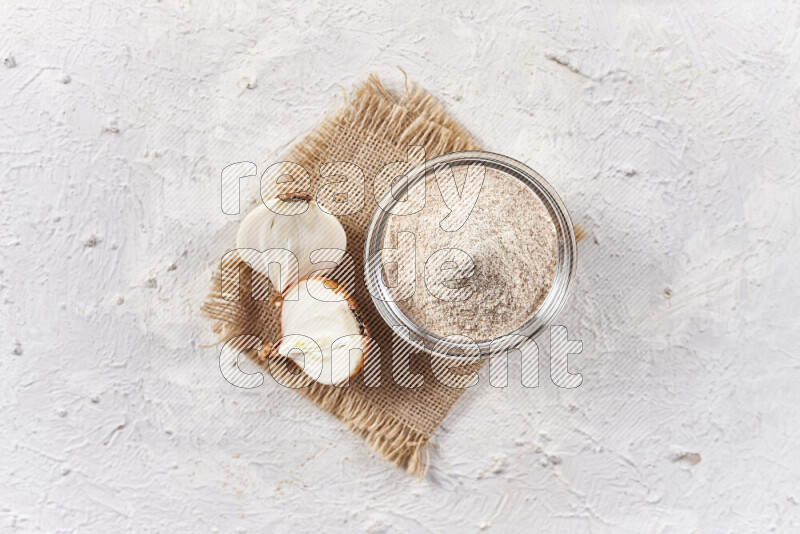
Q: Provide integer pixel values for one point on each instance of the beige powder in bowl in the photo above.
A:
(511, 240)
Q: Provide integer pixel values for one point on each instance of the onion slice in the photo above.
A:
(320, 330)
(295, 223)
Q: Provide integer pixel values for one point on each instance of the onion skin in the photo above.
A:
(296, 197)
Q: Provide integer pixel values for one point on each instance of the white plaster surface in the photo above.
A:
(672, 131)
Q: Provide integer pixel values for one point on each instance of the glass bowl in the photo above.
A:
(423, 339)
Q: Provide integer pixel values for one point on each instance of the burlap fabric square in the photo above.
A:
(374, 128)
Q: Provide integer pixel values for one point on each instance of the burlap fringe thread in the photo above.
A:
(389, 437)
(377, 109)
(373, 109)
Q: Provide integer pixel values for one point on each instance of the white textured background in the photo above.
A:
(671, 131)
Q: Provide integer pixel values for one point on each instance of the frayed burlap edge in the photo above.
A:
(389, 437)
(392, 439)
(374, 109)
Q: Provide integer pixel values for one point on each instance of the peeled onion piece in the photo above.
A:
(326, 314)
(296, 223)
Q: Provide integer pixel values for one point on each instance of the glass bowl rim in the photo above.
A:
(532, 327)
